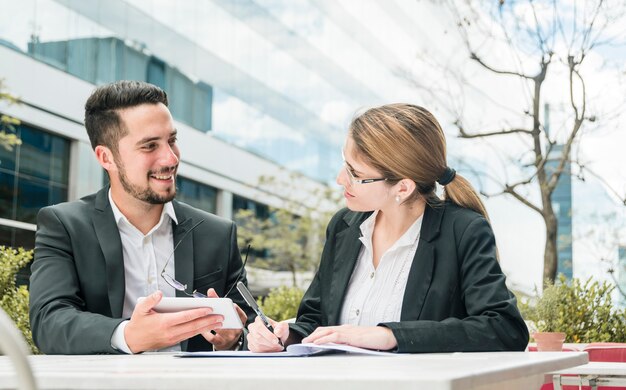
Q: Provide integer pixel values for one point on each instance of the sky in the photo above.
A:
(334, 57)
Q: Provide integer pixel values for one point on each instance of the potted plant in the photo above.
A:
(549, 335)
(583, 310)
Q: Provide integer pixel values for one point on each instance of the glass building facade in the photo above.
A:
(290, 106)
(32, 175)
(196, 194)
(562, 205)
(232, 92)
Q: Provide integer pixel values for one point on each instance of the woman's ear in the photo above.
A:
(405, 188)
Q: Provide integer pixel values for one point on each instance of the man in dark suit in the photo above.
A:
(96, 256)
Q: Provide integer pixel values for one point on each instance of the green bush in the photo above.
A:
(583, 310)
(14, 299)
(281, 303)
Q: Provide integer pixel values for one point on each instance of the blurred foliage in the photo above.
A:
(14, 299)
(291, 237)
(8, 138)
(583, 310)
(281, 303)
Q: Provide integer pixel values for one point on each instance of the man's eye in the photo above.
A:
(149, 146)
(173, 140)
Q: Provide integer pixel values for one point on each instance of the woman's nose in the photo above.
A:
(342, 178)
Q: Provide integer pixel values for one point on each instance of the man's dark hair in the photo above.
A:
(102, 120)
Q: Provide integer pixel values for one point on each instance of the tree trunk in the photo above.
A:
(550, 257)
(294, 281)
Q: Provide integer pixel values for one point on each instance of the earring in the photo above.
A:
(397, 198)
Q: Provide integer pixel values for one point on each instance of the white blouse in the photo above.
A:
(376, 295)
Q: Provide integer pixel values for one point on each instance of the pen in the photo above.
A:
(247, 296)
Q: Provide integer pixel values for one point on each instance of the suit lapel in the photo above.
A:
(183, 257)
(421, 273)
(347, 247)
(109, 238)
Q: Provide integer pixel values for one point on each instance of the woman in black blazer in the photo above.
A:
(402, 269)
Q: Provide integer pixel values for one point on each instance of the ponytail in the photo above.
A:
(461, 193)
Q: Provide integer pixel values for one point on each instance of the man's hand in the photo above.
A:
(149, 330)
(224, 339)
(371, 337)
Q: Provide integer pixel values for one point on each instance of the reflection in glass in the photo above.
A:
(34, 175)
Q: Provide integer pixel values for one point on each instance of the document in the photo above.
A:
(294, 350)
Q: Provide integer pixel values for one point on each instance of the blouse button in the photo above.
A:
(358, 312)
(372, 275)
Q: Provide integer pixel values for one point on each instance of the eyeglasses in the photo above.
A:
(183, 287)
(354, 180)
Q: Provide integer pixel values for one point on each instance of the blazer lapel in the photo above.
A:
(347, 247)
(183, 256)
(421, 273)
(111, 245)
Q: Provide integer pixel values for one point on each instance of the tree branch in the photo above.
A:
(475, 57)
(578, 121)
(511, 191)
(621, 197)
(464, 134)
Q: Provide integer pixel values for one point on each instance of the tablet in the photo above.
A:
(223, 306)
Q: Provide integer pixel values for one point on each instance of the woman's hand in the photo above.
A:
(260, 339)
(370, 337)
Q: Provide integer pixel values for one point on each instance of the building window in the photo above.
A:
(261, 210)
(156, 72)
(196, 194)
(32, 175)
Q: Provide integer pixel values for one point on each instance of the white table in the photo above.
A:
(501, 370)
(592, 374)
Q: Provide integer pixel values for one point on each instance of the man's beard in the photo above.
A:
(144, 194)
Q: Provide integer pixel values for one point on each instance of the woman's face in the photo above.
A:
(373, 193)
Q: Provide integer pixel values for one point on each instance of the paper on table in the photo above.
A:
(294, 350)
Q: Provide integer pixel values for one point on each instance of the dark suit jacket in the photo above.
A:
(77, 282)
(455, 298)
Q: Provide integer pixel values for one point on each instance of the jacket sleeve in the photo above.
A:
(310, 311)
(59, 322)
(492, 321)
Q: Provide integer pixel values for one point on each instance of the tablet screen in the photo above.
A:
(223, 306)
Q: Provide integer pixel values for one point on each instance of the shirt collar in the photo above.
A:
(168, 209)
(408, 238)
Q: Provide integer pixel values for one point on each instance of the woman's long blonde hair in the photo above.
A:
(406, 141)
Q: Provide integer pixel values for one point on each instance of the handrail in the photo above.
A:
(12, 344)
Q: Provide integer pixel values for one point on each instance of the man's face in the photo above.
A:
(147, 157)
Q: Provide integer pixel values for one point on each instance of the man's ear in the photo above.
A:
(105, 157)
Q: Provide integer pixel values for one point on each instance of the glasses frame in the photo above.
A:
(178, 286)
(354, 180)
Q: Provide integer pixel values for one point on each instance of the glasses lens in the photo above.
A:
(173, 282)
(198, 295)
(350, 177)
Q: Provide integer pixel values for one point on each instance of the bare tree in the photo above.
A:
(543, 46)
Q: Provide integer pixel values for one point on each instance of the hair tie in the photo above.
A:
(448, 175)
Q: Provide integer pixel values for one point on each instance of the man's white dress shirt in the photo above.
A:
(144, 259)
